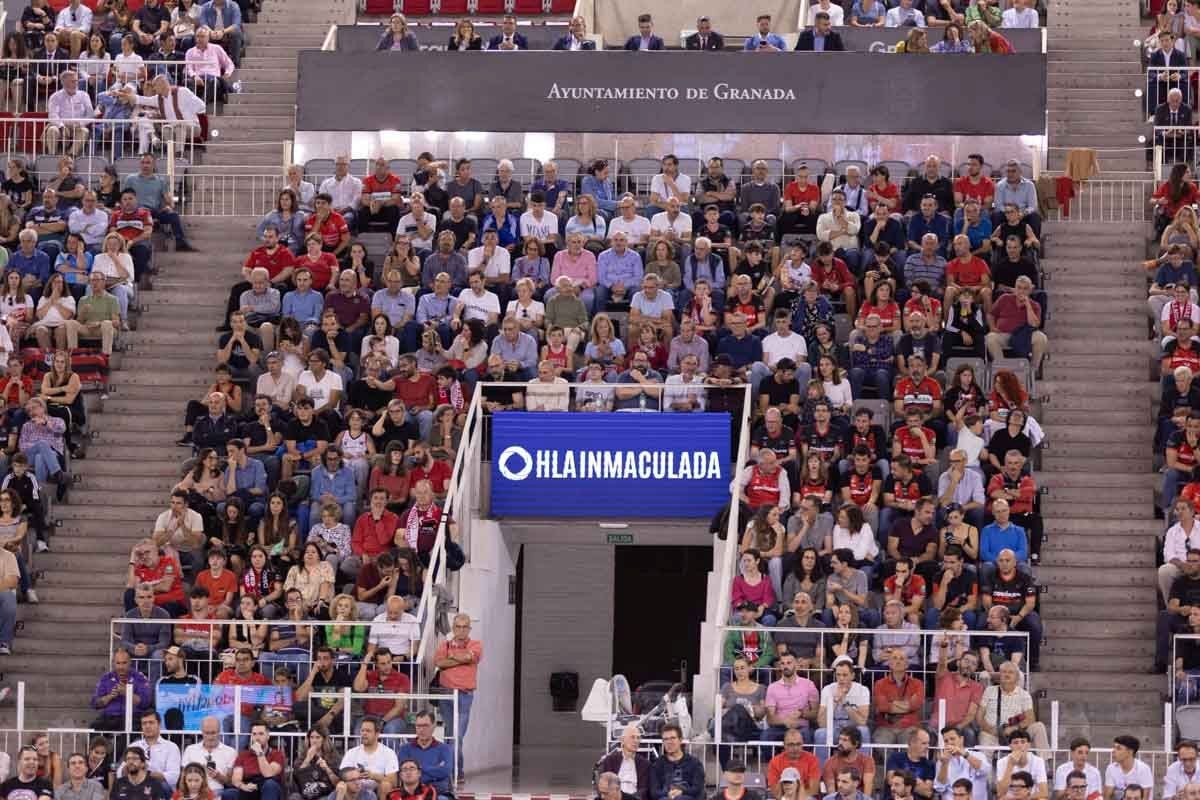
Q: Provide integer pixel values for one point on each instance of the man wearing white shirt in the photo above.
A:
(540, 224)
(957, 765)
(1078, 761)
(216, 756)
(786, 343)
(1021, 760)
(372, 764)
(685, 391)
(1184, 535)
(420, 226)
(1182, 772)
(494, 262)
(68, 110)
(904, 16)
(1019, 16)
(672, 224)
(162, 756)
(73, 25)
(344, 188)
(837, 16)
(667, 184)
(635, 227)
(395, 629)
(177, 105)
(476, 302)
(90, 221)
(1125, 769)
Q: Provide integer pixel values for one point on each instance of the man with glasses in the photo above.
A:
(160, 756)
(333, 483)
(434, 759)
(1017, 788)
(1182, 772)
(1078, 787)
(1089, 780)
(410, 786)
(1020, 191)
(677, 775)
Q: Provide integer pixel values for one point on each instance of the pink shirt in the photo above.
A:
(463, 676)
(212, 61)
(785, 698)
(580, 268)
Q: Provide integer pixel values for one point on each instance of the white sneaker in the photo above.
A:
(5, 650)
(32, 598)
(5, 693)
(155, 142)
(42, 547)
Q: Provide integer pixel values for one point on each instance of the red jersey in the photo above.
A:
(331, 230)
(381, 188)
(914, 489)
(396, 682)
(763, 490)
(166, 567)
(1185, 451)
(437, 475)
(860, 486)
(913, 588)
(795, 195)
(1026, 492)
(558, 359)
(219, 587)
(273, 263)
(230, 677)
(920, 397)
(910, 443)
(984, 190)
(917, 305)
(323, 269)
(11, 389)
(132, 224)
(969, 273)
(371, 536)
(417, 394)
(1182, 357)
(813, 488)
(837, 271)
(889, 192)
(888, 315)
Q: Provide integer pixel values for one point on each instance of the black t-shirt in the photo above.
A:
(1011, 593)
(959, 590)
(16, 789)
(957, 397)
(711, 183)
(238, 357)
(824, 444)
(461, 229)
(436, 197)
(316, 430)
(917, 487)
(777, 393)
(151, 19)
(874, 440)
(780, 444)
(124, 789)
(403, 433)
(363, 396)
(720, 236)
(68, 184)
(16, 190)
(336, 681)
(468, 192)
(1006, 272)
(341, 340)
(1186, 590)
(927, 344)
(1001, 442)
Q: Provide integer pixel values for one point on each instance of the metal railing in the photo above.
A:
(40, 79)
(108, 141)
(1107, 200)
(229, 195)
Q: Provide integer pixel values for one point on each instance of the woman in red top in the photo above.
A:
(322, 265)
(814, 482)
(392, 476)
(881, 304)
(882, 190)
(1177, 191)
(649, 344)
(1007, 394)
(193, 784)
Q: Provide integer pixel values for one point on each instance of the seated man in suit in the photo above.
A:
(821, 37)
(1160, 75)
(1178, 145)
(705, 38)
(577, 38)
(508, 38)
(646, 39)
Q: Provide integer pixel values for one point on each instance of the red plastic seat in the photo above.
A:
(453, 7)
(562, 6)
(415, 8)
(490, 7)
(527, 7)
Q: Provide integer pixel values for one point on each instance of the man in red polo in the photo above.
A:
(765, 483)
(378, 208)
(899, 701)
(384, 679)
(917, 391)
(329, 225)
(974, 184)
(374, 533)
(277, 260)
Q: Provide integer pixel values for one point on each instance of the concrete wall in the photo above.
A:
(617, 19)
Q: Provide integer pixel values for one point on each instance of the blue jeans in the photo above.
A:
(167, 217)
(268, 790)
(297, 658)
(1170, 487)
(424, 420)
(45, 459)
(881, 379)
(457, 728)
(8, 616)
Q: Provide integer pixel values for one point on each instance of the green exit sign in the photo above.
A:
(619, 538)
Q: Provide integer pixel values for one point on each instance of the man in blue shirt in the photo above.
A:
(618, 272)
(999, 536)
(977, 227)
(638, 389)
(557, 191)
(32, 263)
(304, 304)
(517, 348)
(246, 479)
(1019, 191)
(929, 221)
(744, 350)
(224, 20)
(154, 195)
(764, 41)
(927, 264)
(435, 758)
(393, 302)
(436, 311)
(333, 484)
(911, 765)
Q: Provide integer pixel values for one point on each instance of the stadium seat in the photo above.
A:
(639, 172)
(839, 168)
(403, 168)
(882, 409)
(816, 166)
(569, 169)
(46, 167)
(842, 325)
(526, 170)
(318, 169)
(690, 167)
(1026, 170)
(360, 167)
(482, 170)
(898, 171)
(529, 7)
(1019, 367)
(946, 170)
(90, 167)
(562, 6)
(416, 8)
(129, 165)
(982, 376)
(735, 168)
(488, 6)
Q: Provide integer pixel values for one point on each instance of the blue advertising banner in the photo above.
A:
(197, 702)
(547, 464)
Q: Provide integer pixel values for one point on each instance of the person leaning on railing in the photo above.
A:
(110, 693)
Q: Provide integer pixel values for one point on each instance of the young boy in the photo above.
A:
(22, 481)
(221, 584)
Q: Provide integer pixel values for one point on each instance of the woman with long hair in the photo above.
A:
(246, 629)
(205, 487)
(287, 219)
(963, 397)
(61, 390)
(193, 784)
(743, 697)
(808, 576)
(55, 307)
(362, 266)
(16, 305)
(1177, 191)
(814, 482)
(589, 222)
(1014, 435)
(954, 40)
(277, 533)
(314, 578)
(853, 533)
(95, 64)
(603, 344)
(469, 350)
(402, 257)
(10, 223)
(347, 640)
(957, 531)
(883, 305)
(99, 762)
(314, 773)
(751, 586)
(381, 328)
(13, 529)
(841, 641)
(49, 762)
(185, 19)
(835, 385)
(464, 37)
(600, 186)
(18, 184)
(766, 534)
(392, 475)
(261, 581)
(74, 263)
(234, 529)
(14, 73)
(290, 343)
(1008, 394)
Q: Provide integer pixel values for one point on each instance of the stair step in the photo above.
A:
(1065, 608)
(1052, 506)
(1081, 662)
(1052, 416)
(1116, 576)
(1069, 435)
(1083, 646)
(1062, 544)
(1132, 528)
(1100, 595)
(1102, 629)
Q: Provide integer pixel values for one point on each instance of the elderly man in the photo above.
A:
(626, 767)
(517, 348)
(651, 306)
(49, 222)
(345, 190)
(1179, 144)
(1014, 322)
(260, 305)
(179, 110)
(68, 110)
(98, 314)
(618, 270)
(702, 264)
(208, 67)
(1016, 592)
(565, 310)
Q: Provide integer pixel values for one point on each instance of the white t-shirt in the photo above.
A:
(856, 696)
(395, 636)
(682, 224)
(1036, 767)
(1095, 786)
(542, 229)
(318, 391)
(478, 306)
(837, 16)
(1025, 18)
(193, 520)
(222, 757)
(1118, 779)
(127, 67)
(408, 224)
(382, 761)
(682, 182)
(53, 317)
(534, 310)
(637, 230)
(106, 266)
(499, 264)
(970, 444)
(776, 347)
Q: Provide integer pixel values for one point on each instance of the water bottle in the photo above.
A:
(642, 401)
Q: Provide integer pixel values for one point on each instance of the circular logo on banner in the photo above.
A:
(520, 454)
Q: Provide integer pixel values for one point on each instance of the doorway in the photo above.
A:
(659, 600)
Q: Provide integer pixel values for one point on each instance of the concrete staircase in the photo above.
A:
(1098, 564)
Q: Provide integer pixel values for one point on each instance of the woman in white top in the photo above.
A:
(835, 385)
(381, 328)
(304, 190)
(16, 305)
(94, 65)
(528, 312)
(53, 310)
(357, 449)
(853, 533)
(589, 222)
(128, 66)
(185, 16)
(115, 264)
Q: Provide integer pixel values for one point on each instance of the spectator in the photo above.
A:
(216, 756)
(1182, 772)
(99, 314)
(371, 764)
(1006, 708)
(1126, 770)
(78, 786)
(846, 701)
(1089, 776)
(161, 756)
(627, 761)
(435, 758)
(849, 756)
(898, 700)
(136, 781)
(386, 679)
(677, 774)
(1001, 535)
(961, 691)
(393, 628)
(457, 658)
(1018, 593)
(1022, 767)
(961, 488)
(962, 774)
(257, 771)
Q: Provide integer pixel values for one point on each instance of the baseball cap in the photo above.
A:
(790, 775)
(735, 766)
